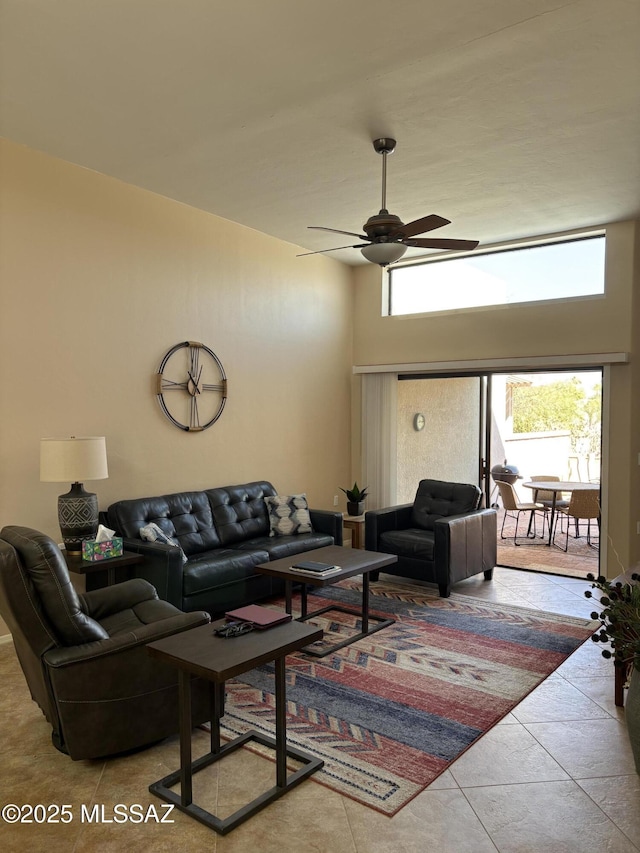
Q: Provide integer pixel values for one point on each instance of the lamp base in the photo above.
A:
(77, 517)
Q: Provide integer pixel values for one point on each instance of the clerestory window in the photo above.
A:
(557, 270)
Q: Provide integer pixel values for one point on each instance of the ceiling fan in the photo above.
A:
(388, 238)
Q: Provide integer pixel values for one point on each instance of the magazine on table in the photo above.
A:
(261, 617)
(313, 568)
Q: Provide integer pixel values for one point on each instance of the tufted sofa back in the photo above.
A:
(186, 516)
(239, 512)
(200, 521)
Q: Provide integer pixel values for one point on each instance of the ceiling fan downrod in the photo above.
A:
(385, 145)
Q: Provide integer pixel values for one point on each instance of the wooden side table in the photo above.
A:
(76, 564)
(355, 523)
(200, 653)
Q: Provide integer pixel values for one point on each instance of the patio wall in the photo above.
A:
(535, 453)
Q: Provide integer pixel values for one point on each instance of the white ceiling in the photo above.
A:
(513, 117)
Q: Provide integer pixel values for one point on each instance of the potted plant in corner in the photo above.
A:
(355, 499)
(620, 629)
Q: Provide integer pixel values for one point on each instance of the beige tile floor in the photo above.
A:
(555, 776)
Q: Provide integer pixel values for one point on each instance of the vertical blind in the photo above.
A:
(379, 450)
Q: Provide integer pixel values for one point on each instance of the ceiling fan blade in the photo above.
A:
(434, 243)
(335, 249)
(421, 226)
(337, 231)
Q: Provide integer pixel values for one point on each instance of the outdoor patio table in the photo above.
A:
(558, 486)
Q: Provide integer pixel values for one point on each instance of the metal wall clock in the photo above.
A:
(191, 386)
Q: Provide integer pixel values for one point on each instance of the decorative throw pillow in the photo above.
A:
(288, 515)
(152, 533)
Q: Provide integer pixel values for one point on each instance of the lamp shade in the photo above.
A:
(73, 460)
(384, 253)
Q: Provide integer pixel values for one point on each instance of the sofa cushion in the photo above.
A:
(239, 512)
(284, 546)
(414, 542)
(185, 516)
(288, 515)
(437, 499)
(212, 569)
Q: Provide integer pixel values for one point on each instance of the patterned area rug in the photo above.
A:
(389, 713)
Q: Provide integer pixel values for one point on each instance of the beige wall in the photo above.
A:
(595, 325)
(447, 448)
(98, 279)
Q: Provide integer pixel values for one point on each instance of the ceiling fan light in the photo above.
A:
(384, 253)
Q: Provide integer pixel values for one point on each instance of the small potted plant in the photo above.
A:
(620, 629)
(355, 499)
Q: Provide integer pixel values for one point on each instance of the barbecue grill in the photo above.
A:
(505, 473)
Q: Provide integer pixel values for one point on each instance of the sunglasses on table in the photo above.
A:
(234, 629)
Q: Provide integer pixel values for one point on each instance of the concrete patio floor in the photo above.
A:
(536, 555)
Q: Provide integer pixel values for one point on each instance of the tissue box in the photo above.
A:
(93, 551)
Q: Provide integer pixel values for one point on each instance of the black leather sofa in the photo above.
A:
(442, 537)
(224, 533)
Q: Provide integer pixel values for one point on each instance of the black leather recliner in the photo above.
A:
(84, 656)
(442, 537)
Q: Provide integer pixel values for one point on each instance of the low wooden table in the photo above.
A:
(76, 564)
(199, 652)
(353, 561)
(355, 523)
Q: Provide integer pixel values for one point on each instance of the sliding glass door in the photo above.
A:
(458, 427)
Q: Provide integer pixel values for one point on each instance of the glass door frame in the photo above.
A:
(485, 422)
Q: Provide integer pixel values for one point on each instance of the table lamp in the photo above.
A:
(75, 460)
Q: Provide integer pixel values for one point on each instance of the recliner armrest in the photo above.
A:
(69, 655)
(110, 599)
(378, 521)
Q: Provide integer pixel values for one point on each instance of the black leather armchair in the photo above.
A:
(442, 537)
(84, 656)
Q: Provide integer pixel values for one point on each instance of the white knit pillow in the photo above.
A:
(288, 515)
(153, 533)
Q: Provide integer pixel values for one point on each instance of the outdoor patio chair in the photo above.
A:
(513, 508)
(584, 505)
(545, 497)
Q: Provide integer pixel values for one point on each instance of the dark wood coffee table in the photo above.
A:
(352, 562)
(198, 652)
